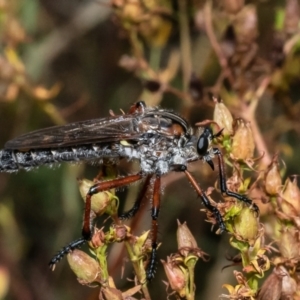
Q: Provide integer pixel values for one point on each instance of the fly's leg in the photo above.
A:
(223, 185)
(205, 200)
(87, 231)
(151, 268)
(130, 213)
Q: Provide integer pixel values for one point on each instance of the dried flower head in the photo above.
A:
(243, 142)
(241, 291)
(176, 276)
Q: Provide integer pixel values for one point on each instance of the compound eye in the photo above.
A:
(204, 141)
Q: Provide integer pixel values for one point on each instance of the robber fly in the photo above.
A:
(160, 140)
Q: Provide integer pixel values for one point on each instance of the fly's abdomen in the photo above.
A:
(14, 160)
(7, 161)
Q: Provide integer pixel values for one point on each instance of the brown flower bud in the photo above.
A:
(131, 12)
(141, 244)
(129, 63)
(289, 287)
(176, 277)
(273, 178)
(279, 285)
(245, 25)
(102, 202)
(98, 239)
(185, 239)
(272, 287)
(292, 16)
(291, 197)
(242, 143)
(156, 30)
(233, 6)
(289, 243)
(120, 232)
(85, 267)
(5, 278)
(246, 225)
(223, 117)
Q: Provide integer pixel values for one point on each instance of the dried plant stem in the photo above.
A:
(41, 54)
(137, 269)
(191, 283)
(155, 55)
(214, 42)
(249, 114)
(185, 44)
(136, 45)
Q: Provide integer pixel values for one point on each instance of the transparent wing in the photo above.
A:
(113, 128)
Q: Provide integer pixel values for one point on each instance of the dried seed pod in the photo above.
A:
(185, 238)
(102, 202)
(85, 267)
(272, 287)
(243, 142)
(246, 225)
(273, 178)
(291, 197)
(289, 243)
(223, 117)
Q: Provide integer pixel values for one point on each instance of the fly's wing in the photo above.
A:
(114, 128)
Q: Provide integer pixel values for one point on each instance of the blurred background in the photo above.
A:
(72, 60)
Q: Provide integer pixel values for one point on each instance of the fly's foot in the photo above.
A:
(151, 268)
(255, 208)
(128, 214)
(65, 250)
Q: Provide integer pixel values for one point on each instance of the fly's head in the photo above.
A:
(204, 142)
(203, 146)
(138, 107)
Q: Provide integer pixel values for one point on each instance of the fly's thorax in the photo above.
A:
(161, 156)
(127, 149)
